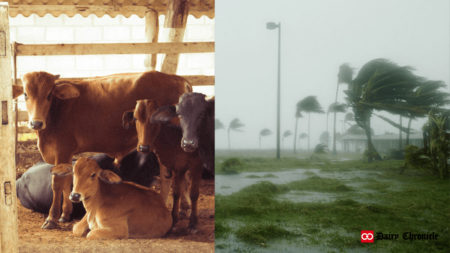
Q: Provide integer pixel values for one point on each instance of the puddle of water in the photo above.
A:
(227, 184)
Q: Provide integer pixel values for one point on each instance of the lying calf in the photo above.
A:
(114, 208)
(34, 188)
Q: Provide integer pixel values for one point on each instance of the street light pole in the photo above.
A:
(271, 26)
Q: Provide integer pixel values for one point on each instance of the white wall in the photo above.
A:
(92, 29)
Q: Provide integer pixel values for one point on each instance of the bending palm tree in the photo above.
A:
(381, 85)
(235, 124)
(287, 133)
(309, 105)
(345, 75)
(427, 95)
(297, 115)
(263, 132)
(335, 107)
(302, 136)
(218, 125)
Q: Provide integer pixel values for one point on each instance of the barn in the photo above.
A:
(86, 38)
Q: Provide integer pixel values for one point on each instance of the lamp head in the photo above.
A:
(272, 25)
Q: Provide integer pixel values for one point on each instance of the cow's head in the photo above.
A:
(86, 178)
(146, 130)
(40, 89)
(192, 110)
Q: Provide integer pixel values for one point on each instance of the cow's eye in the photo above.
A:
(134, 119)
(93, 175)
(49, 96)
(26, 96)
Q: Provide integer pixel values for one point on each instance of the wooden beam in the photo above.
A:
(22, 116)
(8, 199)
(151, 34)
(174, 27)
(115, 48)
(194, 80)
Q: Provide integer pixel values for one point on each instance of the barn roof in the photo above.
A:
(197, 8)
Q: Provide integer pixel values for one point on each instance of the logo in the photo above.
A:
(367, 236)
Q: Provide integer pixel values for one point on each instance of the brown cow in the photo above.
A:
(164, 141)
(85, 116)
(115, 209)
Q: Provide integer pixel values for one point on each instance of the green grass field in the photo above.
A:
(365, 197)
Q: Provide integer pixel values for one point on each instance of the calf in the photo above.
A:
(164, 139)
(115, 209)
(34, 188)
(197, 122)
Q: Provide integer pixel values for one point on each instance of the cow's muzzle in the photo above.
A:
(36, 124)
(144, 149)
(189, 145)
(75, 197)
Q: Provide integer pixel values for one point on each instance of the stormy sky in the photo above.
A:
(316, 37)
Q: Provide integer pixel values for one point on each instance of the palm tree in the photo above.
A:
(309, 105)
(319, 149)
(381, 85)
(263, 132)
(335, 107)
(297, 115)
(218, 124)
(302, 136)
(324, 138)
(427, 95)
(287, 133)
(235, 124)
(345, 75)
(349, 117)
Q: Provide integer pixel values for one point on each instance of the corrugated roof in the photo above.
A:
(197, 8)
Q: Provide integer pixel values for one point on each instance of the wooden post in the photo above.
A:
(8, 199)
(151, 34)
(174, 27)
(16, 101)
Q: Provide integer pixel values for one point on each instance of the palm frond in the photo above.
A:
(345, 74)
(337, 107)
(349, 117)
(218, 124)
(287, 133)
(265, 132)
(320, 149)
(310, 104)
(392, 123)
(235, 124)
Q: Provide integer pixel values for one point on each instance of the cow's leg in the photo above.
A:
(165, 182)
(117, 158)
(176, 198)
(60, 185)
(117, 231)
(185, 199)
(67, 206)
(81, 227)
(194, 191)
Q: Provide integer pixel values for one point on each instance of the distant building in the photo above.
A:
(383, 142)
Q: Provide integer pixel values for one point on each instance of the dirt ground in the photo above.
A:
(34, 239)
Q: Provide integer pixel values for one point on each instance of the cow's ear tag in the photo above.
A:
(109, 177)
(62, 170)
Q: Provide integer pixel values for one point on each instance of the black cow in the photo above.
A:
(34, 188)
(197, 123)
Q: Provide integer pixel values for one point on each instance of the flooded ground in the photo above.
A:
(324, 206)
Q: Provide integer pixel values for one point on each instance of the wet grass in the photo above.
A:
(394, 203)
(270, 176)
(252, 176)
